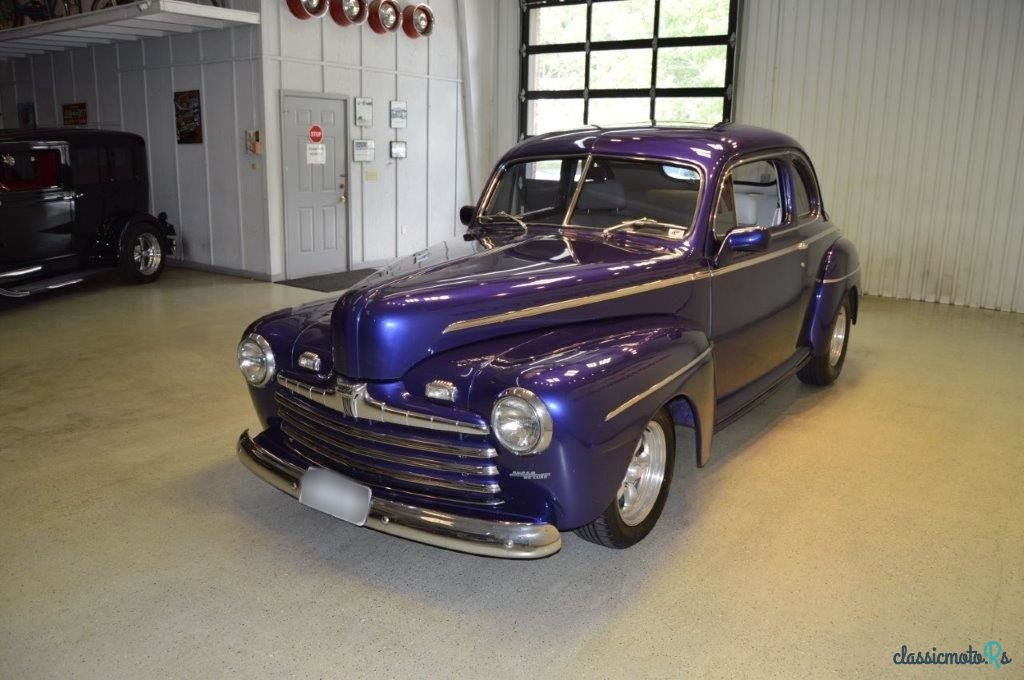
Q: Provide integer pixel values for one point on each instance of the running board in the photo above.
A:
(22, 290)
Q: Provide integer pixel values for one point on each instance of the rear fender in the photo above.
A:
(838, 275)
(125, 224)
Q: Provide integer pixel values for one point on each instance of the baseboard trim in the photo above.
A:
(230, 271)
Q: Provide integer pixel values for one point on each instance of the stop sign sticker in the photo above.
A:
(316, 134)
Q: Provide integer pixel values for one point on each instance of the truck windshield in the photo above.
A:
(616, 193)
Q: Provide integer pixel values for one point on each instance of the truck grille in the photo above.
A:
(403, 460)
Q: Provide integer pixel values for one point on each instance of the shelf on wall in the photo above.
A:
(145, 19)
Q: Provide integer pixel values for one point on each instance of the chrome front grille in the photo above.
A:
(403, 460)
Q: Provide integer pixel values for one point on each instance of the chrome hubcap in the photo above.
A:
(147, 254)
(642, 483)
(835, 348)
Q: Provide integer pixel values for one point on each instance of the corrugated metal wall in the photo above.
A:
(913, 112)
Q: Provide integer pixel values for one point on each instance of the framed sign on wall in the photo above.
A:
(188, 118)
(74, 114)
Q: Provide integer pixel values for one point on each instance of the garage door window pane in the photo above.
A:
(558, 71)
(626, 20)
(702, 110)
(693, 18)
(692, 66)
(549, 115)
(620, 111)
(550, 25)
(616, 69)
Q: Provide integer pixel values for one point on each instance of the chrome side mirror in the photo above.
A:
(753, 239)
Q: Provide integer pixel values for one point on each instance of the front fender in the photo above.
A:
(601, 383)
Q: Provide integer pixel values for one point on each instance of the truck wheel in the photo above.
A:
(641, 496)
(142, 258)
(823, 369)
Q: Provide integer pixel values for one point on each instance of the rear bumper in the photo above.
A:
(519, 540)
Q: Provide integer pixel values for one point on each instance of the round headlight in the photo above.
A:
(256, 360)
(521, 421)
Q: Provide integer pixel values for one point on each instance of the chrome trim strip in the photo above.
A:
(520, 540)
(840, 278)
(352, 400)
(310, 427)
(658, 385)
(408, 477)
(413, 442)
(21, 272)
(560, 305)
(634, 289)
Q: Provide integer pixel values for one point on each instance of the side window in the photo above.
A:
(121, 164)
(803, 190)
(29, 169)
(750, 196)
(85, 164)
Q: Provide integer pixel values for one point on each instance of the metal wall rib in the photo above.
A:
(913, 112)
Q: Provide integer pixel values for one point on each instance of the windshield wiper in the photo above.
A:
(640, 221)
(502, 215)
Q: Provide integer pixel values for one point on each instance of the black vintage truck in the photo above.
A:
(74, 204)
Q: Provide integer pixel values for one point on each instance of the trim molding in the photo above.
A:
(658, 385)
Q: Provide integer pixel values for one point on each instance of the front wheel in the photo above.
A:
(641, 495)
(823, 369)
(142, 258)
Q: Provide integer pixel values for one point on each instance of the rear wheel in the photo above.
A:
(823, 369)
(142, 259)
(641, 495)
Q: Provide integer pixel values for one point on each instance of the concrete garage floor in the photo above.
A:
(831, 527)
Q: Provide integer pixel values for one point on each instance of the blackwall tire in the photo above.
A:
(628, 518)
(825, 367)
(144, 254)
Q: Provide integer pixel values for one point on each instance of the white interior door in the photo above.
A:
(315, 186)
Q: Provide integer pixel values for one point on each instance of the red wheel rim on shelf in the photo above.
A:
(308, 9)
(417, 20)
(385, 16)
(349, 12)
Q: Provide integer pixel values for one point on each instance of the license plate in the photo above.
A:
(338, 496)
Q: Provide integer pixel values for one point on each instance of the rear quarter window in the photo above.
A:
(29, 169)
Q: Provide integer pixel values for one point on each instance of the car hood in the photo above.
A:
(455, 293)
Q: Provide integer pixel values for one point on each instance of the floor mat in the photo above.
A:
(328, 283)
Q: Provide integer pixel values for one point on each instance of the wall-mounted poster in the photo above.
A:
(399, 114)
(74, 114)
(188, 118)
(362, 150)
(398, 150)
(364, 111)
(27, 115)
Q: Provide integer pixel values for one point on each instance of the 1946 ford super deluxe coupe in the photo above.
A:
(488, 393)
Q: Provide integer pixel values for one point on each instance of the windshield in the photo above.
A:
(616, 193)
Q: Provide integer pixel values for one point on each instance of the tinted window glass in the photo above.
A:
(121, 163)
(29, 169)
(85, 164)
(803, 188)
(617, 191)
(537, 190)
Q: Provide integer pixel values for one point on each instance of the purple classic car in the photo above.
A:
(489, 393)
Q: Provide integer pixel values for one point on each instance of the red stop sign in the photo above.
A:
(316, 134)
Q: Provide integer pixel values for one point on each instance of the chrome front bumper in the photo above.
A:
(519, 540)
